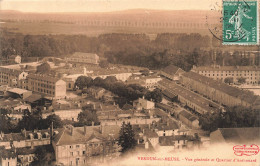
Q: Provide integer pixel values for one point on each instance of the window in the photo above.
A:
(71, 153)
(77, 146)
(70, 147)
(84, 152)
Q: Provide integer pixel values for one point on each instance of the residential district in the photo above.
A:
(116, 96)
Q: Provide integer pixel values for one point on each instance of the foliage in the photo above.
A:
(126, 137)
(87, 116)
(30, 121)
(57, 123)
(135, 49)
(5, 122)
(43, 68)
(103, 64)
(229, 80)
(43, 155)
(83, 82)
(233, 117)
(155, 95)
(241, 80)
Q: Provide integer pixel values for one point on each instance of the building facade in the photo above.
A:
(84, 145)
(251, 74)
(218, 91)
(47, 85)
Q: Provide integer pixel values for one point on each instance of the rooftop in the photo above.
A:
(218, 85)
(171, 69)
(18, 91)
(92, 132)
(173, 90)
(188, 115)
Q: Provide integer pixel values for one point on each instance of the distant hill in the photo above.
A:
(136, 20)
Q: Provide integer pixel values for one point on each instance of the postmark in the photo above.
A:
(240, 22)
(241, 150)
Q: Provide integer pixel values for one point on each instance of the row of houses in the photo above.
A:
(198, 103)
(219, 91)
(251, 74)
(40, 83)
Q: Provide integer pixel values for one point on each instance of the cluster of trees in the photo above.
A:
(127, 138)
(88, 116)
(130, 92)
(230, 80)
(43, 68)
(232, 117)
(30, 121)
(182, 50)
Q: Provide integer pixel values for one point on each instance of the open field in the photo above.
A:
(43, 28)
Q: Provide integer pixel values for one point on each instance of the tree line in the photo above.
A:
(130, 92)
(182, 50)
(232, 117)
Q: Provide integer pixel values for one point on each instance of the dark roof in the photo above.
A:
(33, 98)
(188, 115)
(240, 135)
(166, 141)
(174, 89)
(171, 69)
(10, 71)
(6, 153)
(169, 94)
(43, 77)
(218, 85)
(127, 107)
(66, 138)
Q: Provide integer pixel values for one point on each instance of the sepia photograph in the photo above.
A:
(129, 83)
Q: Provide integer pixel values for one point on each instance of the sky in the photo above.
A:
(102, 5)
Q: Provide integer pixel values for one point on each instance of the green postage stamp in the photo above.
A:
(240, 22)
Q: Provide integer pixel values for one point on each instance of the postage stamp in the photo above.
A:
(240, 22)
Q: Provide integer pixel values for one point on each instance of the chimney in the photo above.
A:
(92, 123)
(143, 131)
(32, 145)
(94, 106)
(23, 132)
(102, 129)
(71, 130)
(85, 130)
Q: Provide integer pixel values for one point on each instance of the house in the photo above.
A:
(84, 145)
(26, 138)
(142, 103)
(240, 136)
(189, 119)
(38, 100)
(12, 76)
(219, 91)
(172, 72)
(18, 93)
(149, 82)
(7, 157)
(47, 85)
(251, 74)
